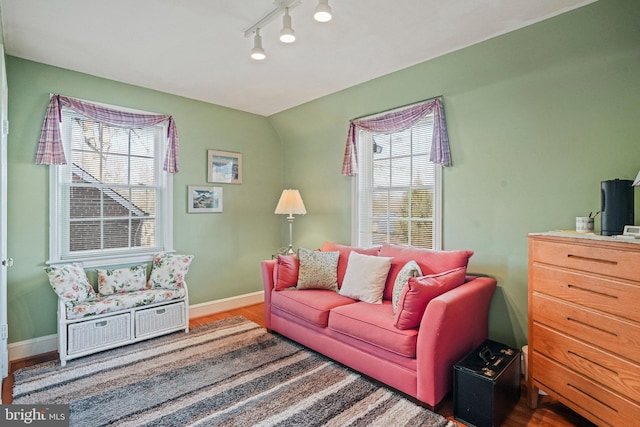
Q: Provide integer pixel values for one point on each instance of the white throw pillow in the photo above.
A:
(365, 277)
(410, 269)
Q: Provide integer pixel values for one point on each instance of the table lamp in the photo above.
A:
(290, 203)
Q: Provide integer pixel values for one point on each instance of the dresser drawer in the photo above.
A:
(616, 335)
(610, 370)
(597, 403)
(605, 294)
(623, 264)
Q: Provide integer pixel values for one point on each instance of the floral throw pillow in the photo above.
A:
(409, 270)
(70, 283)
(122, 280)
(318, 270)
(168, 271)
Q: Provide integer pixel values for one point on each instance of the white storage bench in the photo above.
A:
(87, 335)
(127, 309)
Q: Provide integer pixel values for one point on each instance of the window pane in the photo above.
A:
(381, 173)
(85, 202)
(401, 143)
(401, 175)
(422, 234)
(85, 235)
(421, 203)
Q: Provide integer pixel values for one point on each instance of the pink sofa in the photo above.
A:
(416, 361)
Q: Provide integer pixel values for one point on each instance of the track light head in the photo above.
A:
(257, 52)
(322, 12)
(287, 35)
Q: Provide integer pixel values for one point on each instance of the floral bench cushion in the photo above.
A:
(102, 304)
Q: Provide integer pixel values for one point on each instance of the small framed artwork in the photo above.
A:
(224, 166)
(205, 199)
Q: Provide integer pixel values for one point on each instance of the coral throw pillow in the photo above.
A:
(410, 269)
(419, 291)
(285, 273)
(365, 277)
(430, 261)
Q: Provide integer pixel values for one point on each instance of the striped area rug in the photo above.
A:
(227, 373)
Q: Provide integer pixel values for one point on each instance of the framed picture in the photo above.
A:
(205, 199)
(224, 166)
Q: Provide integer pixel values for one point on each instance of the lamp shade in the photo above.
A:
(290, 203)
(637, 180)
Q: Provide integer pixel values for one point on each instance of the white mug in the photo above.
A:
(584, 224)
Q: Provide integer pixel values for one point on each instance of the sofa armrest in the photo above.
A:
(267, 280)
(453, 325)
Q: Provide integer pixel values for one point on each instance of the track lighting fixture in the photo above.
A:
(323, 11)
(287, 35)
(257, 52)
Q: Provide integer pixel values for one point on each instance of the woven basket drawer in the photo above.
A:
(154, 320)
(99, 333)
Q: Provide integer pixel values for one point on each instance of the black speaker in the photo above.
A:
(616, 206)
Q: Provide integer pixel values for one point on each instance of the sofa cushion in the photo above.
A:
(70, 283)
(311, 305)
(318, 270)
(122, 279)
(365, 277)
(373, 324)
(169, 270)
(419, 291)
(430, 261)
(123, 301)
(285, 272)
(343, 260)
(409, 270)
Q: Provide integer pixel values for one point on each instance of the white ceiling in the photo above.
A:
(197, 48)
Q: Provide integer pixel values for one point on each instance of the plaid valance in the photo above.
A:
(396, 121)
(50, 150)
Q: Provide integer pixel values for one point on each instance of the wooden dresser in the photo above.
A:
(584, 325)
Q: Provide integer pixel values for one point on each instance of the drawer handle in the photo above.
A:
(586, 359)
(580, 288)
(161, 311)
(571, 319)
(584, 258)
(579, 390)
(100, 324)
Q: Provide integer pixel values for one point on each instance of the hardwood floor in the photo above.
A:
(549, 413)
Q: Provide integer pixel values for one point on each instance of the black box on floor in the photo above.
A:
(486, 384)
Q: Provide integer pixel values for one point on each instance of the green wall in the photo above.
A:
(537, 119)
(224, 244)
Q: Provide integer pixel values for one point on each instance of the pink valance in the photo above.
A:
(396, 121)
(51, 152)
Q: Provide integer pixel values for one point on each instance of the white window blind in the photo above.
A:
(397, 189)
(112, 200)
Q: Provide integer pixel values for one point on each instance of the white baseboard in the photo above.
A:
(48, 343)
(212, 307)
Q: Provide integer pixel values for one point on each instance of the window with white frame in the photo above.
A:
(397, 195)
(111, 203)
